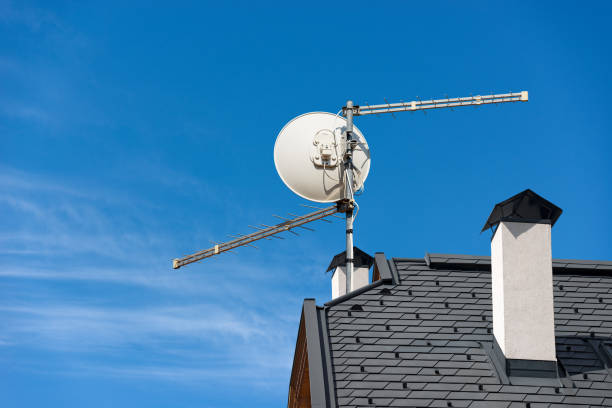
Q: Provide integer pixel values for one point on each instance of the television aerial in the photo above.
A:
(324, 158)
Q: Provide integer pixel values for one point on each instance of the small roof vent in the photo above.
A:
(524, 207)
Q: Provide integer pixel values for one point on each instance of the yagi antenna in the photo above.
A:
(438, 103)
(261, 233)
(324, 158)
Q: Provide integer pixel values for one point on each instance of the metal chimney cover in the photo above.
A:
(526, 206)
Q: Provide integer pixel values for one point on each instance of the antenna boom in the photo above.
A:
(257, 235)
(437, 103)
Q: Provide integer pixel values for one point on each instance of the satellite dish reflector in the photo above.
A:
(308, 156)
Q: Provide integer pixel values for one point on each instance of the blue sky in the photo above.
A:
(132, 135)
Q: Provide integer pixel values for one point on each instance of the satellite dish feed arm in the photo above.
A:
(357, 110)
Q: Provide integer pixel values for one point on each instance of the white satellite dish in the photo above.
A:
(308, 156)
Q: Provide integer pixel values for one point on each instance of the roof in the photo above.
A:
(526, 206)
(421, 336)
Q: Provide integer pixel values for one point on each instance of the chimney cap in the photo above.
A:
(360, 258)
(526, 206)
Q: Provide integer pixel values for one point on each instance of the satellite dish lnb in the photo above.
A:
(308, 156)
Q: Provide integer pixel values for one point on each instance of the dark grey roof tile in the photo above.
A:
(477, 387)
(564, 405)
(444, 387)
(489, 404)
(361, 354)
(374, 369)
(401, 341)
(388, 393)
(438, 371)
(438, 394)
(459, 379)
(466, 395)
(350, 327)
(409, 335)
(361, 392)
(478, 357)
(384, 377)
(349, 347)
(600, 385)
(405, 370)
(519, 389)
(447, 336)
(454, 404)
(422, 378)
(374, 334)
(477, 337)
(377, 347)
(349, 370)
(344, 392)
(341, 376)
(364, 385)
(482, 366)
(408, 385)
(464, 343)
(411, 402)
(488, 380)
(455, 364)
(380, 362)
(352, 361)
(360, 402)
(558, 390)
(583, 400)
(516, 404)
(433, 356)
(606, 393)
(430, 343)
(500, 396)
(381, 402)
(544, 398)
(397, 355)
(345, 401)
(417, 363)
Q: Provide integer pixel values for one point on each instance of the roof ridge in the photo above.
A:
(484, 261)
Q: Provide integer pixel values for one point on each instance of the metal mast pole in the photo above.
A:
(348, 189)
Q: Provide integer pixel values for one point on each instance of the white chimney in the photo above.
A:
(361, 275)
(522, 284)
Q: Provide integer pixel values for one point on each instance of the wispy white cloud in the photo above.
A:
(31, 17)
(237, 281)
(60, 220)
(27, 184)
(78, 328)
(55, 220)
(36, 92)
(22, 111)
(226, 325)
(242, 375)
(193, 342)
